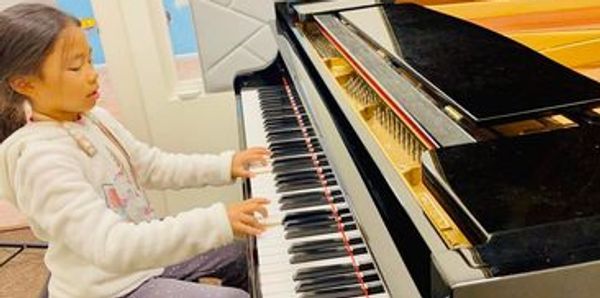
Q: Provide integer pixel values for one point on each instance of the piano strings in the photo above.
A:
(401, 146)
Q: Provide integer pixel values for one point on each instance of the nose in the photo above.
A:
(93, 75)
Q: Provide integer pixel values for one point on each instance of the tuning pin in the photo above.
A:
(404, 138)
(391, 121)
(395, 129)
(413, 150)
(407, 150)
(388, 119)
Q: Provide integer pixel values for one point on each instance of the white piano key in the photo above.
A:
(274, 268)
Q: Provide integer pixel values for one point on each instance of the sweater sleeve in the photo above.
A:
(52, 190)
(161, 170)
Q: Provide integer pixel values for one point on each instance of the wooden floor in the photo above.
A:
(25, 275)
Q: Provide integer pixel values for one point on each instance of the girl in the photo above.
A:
(78, 175)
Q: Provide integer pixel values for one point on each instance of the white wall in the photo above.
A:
(233, 36)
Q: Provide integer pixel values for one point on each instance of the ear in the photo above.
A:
(22, 85)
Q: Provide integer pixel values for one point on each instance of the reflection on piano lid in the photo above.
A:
(526, 203)
(485, 75)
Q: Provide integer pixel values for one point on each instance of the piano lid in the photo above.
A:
(534, 197)
(483, 74)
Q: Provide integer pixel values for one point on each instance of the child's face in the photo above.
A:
(68, 83)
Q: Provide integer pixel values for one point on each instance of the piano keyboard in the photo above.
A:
(313, 247)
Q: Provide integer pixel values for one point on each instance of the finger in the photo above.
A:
(246, 174)
(248, 230)
(254, 161)
(249, 154)
(251, 221)
(253, 157)
(261, 201)
(262, 210)
(253, 208)
(262, 150)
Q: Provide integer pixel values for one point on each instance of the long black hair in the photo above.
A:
(28, 33)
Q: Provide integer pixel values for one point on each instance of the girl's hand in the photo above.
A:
(242, 219)
(243, 159)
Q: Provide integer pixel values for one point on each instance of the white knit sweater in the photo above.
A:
(103, 238)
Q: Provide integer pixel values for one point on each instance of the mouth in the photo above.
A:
(94, 95)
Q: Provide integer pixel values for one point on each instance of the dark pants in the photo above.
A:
(227, 264)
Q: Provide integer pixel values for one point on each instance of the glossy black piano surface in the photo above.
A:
(487, 76)
(527, 202)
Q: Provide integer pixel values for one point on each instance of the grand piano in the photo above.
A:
(417, 153)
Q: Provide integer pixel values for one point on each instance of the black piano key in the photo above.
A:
(277, 114)
(281, 123)
(277, 90)
(319, 230)
(303, 157)
(289, 136)
(273, 100)
(307, 219)
(311, 195)
(346, 291)
(304, 246)
(308, 157)
(334, 281)
(315, 255)
(298, 165)
(327, 270)
(300, 185)
(296, 162)
(283, 151)
(270, 95)
(292, 151)
(300, 215)
(316, 221)
(311, 172)
(299, 143)
(277, 102)
(285, 136)
(305, 195)
(309, 130)
(301, 178)
(328, 229)
(294, 142)
(327, 253)
(310, 203)
(287, 148)
(280, 111)
(300, 174)
(291, 118)
(308, 228)
(270, 88)
(273, 103)
(276, 131)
